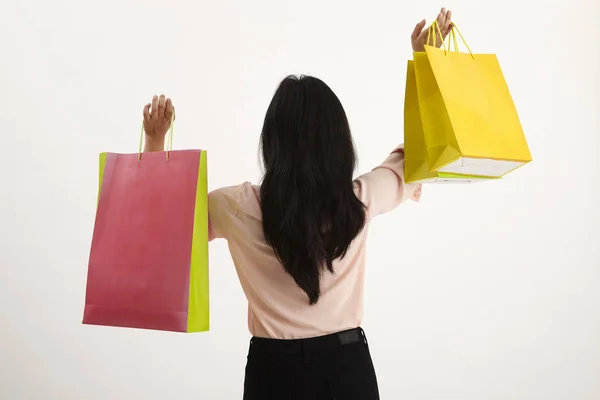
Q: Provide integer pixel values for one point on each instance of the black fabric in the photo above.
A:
(332, 367)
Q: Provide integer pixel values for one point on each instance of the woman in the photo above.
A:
(298, 241)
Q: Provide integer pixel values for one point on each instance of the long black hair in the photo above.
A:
(310, 212)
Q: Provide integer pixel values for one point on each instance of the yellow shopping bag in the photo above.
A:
(416, 167)
(469, 120)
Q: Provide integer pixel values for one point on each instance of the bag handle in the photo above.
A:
(431, 30)
(169, 139)
(452, 35)
(454, 31)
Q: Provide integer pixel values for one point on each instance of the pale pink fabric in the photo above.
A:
(277, 307)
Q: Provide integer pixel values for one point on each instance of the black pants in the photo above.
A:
(336, 366)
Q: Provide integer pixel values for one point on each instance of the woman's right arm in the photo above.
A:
(384, 188)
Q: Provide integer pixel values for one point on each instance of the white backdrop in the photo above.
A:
(490, 291)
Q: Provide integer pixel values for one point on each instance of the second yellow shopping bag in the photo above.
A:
(469, 120)
(416, 167)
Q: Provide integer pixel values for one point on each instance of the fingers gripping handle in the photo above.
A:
(169, 139)
(431, 30)
(451, 36)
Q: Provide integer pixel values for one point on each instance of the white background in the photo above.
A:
(490, 291)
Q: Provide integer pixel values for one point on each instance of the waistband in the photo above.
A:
(320, 344)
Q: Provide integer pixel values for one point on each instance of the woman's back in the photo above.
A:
(277, 306)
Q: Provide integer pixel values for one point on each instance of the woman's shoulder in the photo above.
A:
(243, 197)
(237, 191)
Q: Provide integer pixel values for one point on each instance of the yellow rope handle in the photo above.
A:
(141, 142)
(169, 139)
(432, 29)
(428, 35)
(452, 41)
(452, 34)
(455, 28)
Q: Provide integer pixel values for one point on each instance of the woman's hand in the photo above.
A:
(157, 121)
(419, 35)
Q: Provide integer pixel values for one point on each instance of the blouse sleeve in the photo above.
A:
(222, 207)
(384, 188)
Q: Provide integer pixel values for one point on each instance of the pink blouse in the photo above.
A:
(277, 307)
